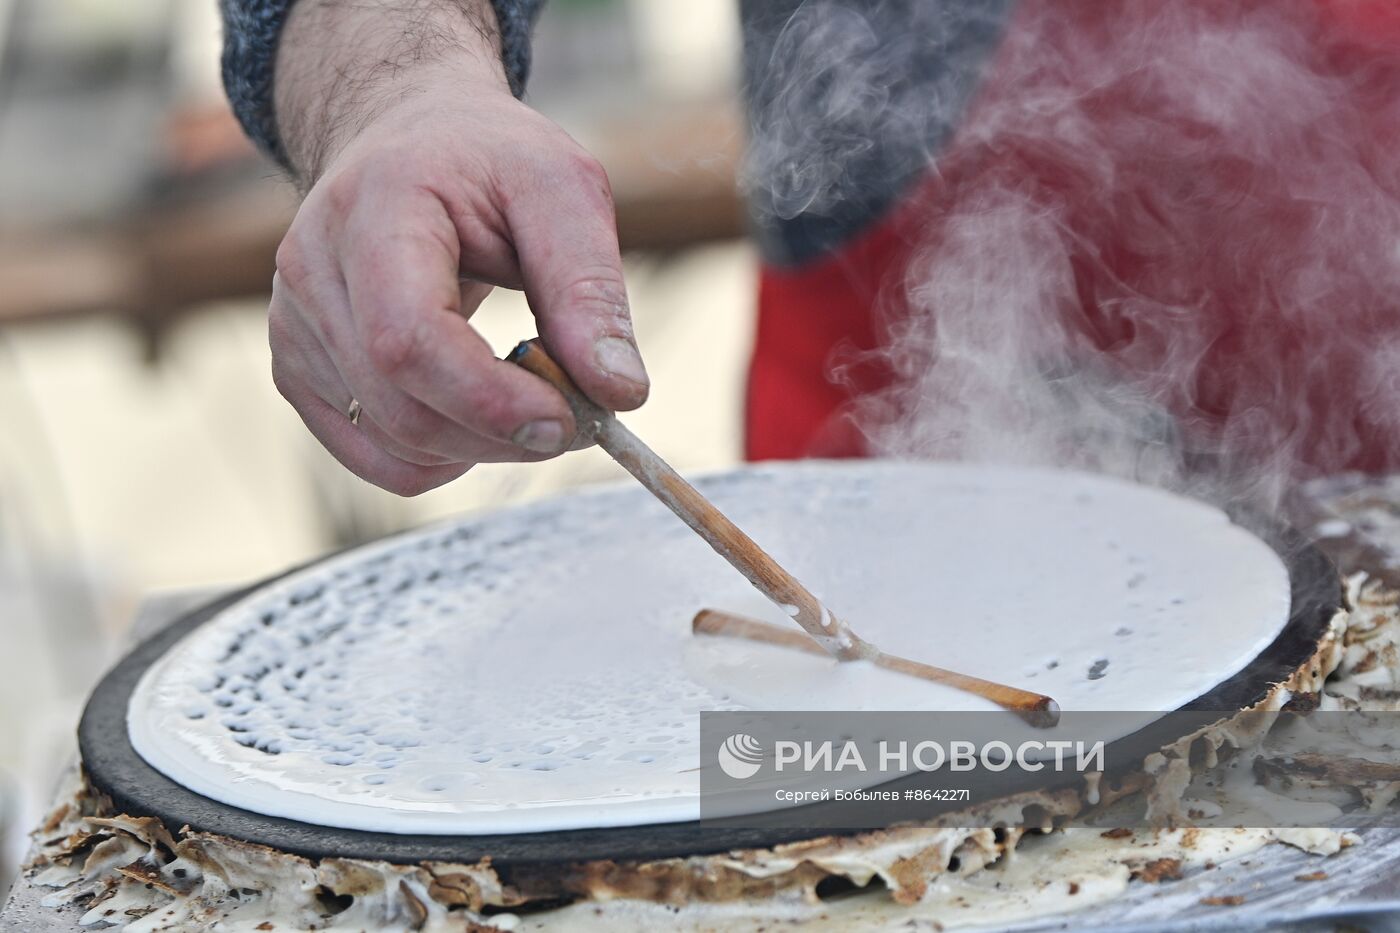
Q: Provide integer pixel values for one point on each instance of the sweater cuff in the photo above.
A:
(516, 20)
(251, 30)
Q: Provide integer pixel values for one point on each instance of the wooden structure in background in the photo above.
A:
(673, 179)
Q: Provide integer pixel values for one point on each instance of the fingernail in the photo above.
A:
(544, 436)
(618, 357)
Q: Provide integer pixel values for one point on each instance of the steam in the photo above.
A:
(1163, 242)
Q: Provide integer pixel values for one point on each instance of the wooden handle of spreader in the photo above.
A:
(728, 540)
(827, 633)
(1037, 709)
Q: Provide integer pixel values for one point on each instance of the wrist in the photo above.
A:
(340, 66)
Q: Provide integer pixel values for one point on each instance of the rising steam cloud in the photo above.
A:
(1161, 240)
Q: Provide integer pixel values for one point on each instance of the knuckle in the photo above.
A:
(584, 167)
(342, 190)
(493, 412)
(589, 178)
(293, 264)
(395, 165)
(599, 292)
(570, 170)
(395, 348)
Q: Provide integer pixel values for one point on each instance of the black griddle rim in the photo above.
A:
(114, 768)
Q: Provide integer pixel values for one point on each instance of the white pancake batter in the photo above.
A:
(534, 669)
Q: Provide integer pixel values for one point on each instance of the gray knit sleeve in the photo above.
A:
(251, 29)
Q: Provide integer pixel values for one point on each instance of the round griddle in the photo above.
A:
(115, 769)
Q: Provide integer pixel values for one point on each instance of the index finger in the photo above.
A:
(565, 233)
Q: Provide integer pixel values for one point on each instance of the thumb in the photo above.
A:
(565, 234)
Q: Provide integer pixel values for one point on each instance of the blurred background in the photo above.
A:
(142, 445)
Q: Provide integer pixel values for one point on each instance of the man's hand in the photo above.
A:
(429, 183)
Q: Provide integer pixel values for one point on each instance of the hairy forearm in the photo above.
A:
(340, 63)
